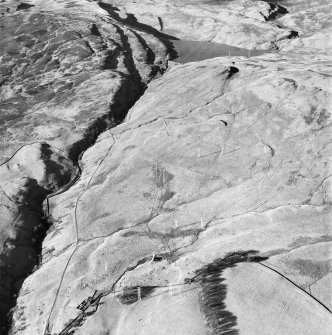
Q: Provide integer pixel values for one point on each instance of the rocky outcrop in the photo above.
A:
(207, 210)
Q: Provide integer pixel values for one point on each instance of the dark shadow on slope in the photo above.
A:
(293, 34)
(123, 100)
(131, 90)
(232, 70)
(213, 291)
(276, 11)
(21, 253)
(53, 168)
(94, 30)
(24, 5)
(131, 22)
(150, 54)
(129, 57)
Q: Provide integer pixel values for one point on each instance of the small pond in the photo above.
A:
(192, 51)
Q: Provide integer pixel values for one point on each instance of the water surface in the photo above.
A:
(193, 51)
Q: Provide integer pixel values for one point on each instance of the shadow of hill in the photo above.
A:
(131, 22)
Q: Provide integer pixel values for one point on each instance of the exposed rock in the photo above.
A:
(207, 210)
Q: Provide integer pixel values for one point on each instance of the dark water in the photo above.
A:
(192, 51)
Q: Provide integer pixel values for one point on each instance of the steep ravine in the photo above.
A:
(33, 202)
